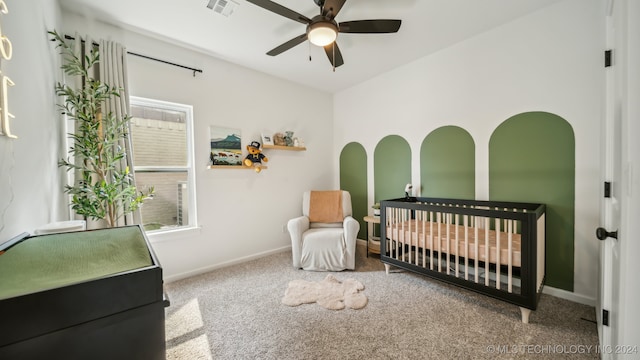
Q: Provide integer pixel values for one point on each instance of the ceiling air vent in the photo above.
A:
(222, 7)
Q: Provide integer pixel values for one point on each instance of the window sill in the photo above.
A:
(174, 234)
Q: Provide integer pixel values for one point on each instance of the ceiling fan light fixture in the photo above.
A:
(322, 29)
(322, 33)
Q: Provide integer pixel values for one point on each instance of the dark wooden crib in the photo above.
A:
(491, 247)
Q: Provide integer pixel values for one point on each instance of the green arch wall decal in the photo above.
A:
(353, 178)
(532, 159)
(391, 167)
(448, 164)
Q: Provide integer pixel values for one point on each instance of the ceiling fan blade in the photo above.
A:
(281, 10)
(288, 45)
(331, 8)
(370, 26)
(333, 52)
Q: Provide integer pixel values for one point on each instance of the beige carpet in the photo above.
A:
(236, 313)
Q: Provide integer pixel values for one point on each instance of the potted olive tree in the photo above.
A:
(102, 189)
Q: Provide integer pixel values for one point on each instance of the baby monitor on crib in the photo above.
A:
(408, 190)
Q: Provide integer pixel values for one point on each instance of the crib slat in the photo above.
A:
(410, 237)
(392, 224)
(402, 225)
(486, 251)
(477, 248)
(510, 257)
(397, 232)
(424, 238)
(408, 258)
(439, 216)
(407, 237)
(498, 254)
(431, 240)
(391, 221)
(457, 219)
(407, 245)
(401, 244)
(466, 247)
(407, 214)
(404, 233)
(448, 225)
(397, 228)
(386, 224)
(416, 251)
(400, 232)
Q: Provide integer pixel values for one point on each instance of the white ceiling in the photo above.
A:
(245, 36)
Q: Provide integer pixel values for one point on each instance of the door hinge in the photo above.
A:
(605, 317)
(607, 58)
(607, 189)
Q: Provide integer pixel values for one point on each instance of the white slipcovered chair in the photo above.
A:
(320, 241)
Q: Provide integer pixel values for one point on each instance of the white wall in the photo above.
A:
(30, 181)
(551, 60)
(241, 213)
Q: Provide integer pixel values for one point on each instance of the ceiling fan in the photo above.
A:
(322, 29)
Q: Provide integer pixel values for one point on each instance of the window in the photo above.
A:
(162, 137)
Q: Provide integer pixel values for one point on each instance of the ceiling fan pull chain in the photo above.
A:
(309, 50)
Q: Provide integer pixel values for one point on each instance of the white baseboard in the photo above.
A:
(571, 296)
(205, 269)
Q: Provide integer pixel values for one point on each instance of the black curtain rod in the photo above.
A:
(68, 37)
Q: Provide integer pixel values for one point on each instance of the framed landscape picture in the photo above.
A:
(226, 146)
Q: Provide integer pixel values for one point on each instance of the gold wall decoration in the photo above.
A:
(6, 51)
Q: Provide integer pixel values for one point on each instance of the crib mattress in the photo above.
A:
(420, 235)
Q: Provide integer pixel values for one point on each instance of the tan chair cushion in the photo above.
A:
(326, 206)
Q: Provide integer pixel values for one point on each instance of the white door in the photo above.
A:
(619, 288)
(626, 335)
(608, 290)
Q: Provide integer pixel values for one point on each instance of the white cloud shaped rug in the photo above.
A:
(329, 293)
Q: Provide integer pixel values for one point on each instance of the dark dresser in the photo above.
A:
(94, 294)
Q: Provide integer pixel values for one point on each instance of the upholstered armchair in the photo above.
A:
(324, 237)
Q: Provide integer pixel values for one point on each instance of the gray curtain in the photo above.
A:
(112, 70)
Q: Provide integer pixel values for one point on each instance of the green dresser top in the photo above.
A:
(49, 261)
